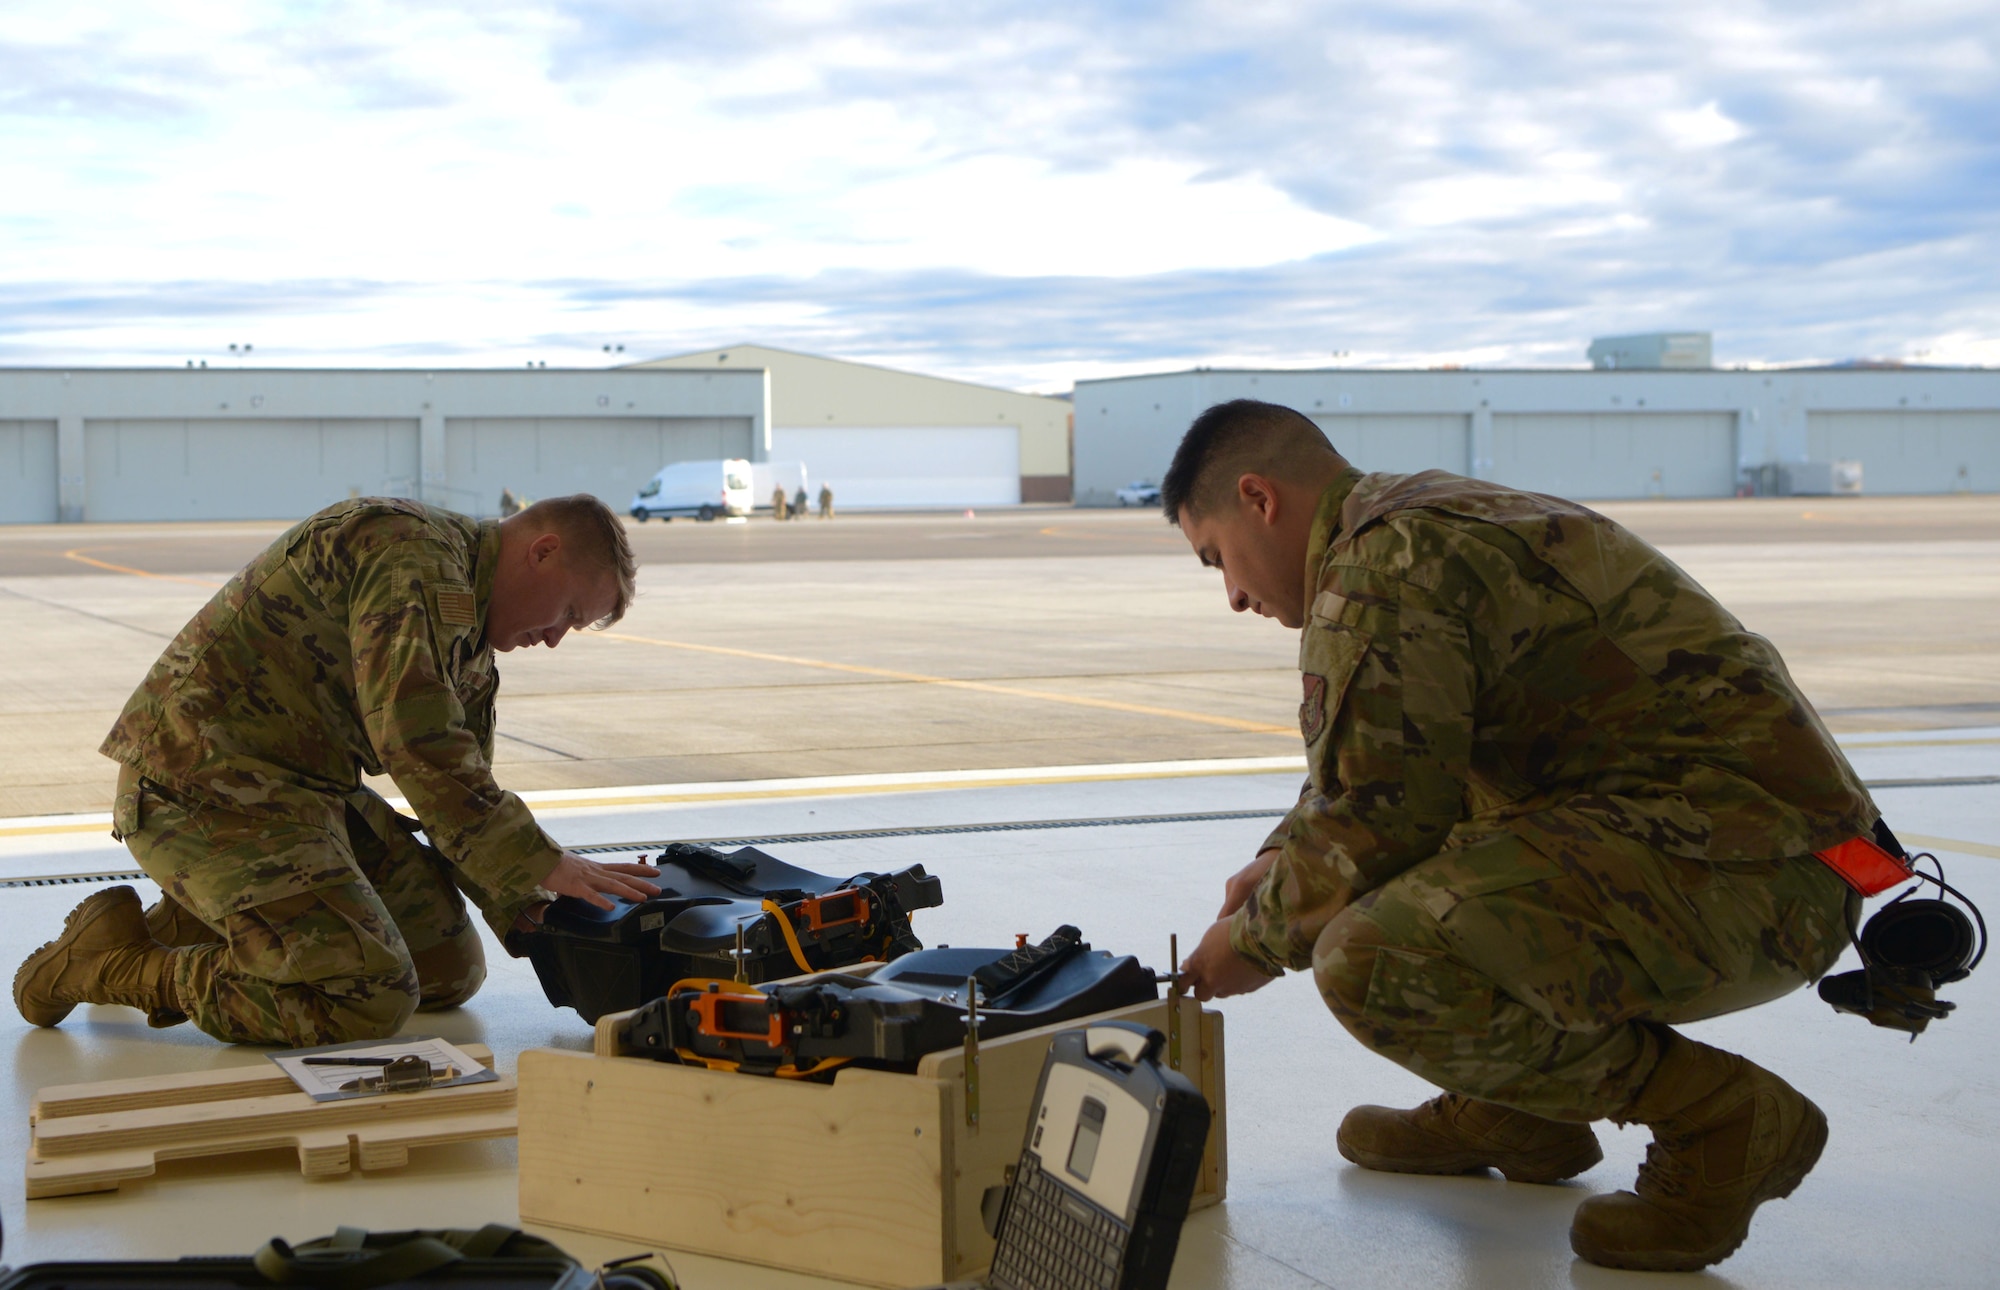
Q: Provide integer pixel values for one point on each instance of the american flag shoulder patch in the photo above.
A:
(456, 608)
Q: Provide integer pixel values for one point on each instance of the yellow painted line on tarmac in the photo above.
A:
(668, 794)
(856, 790)
(1949, 844)
(1080, 535)
(46, 830)
(983, 687)
(76, 554)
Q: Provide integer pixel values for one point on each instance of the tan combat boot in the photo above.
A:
(173, 925)
(1727, 1136)
(104, 955)
(1451, 1134)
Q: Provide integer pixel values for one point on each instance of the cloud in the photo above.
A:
(1011, 190)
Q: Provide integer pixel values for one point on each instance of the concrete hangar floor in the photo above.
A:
(1056, 666)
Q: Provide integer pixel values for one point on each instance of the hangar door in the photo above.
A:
(1912, 452)
(1400, 444)
(1593, 455)
(27, 472)
(908, 465)
(242, 469)
(611, 457)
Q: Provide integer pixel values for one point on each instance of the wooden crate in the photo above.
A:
(874, 1178)
(94, 1137)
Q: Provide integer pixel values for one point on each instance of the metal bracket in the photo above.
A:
(971, 1053)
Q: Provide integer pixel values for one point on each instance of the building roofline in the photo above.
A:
(372, 371)
(848, 362)
(1818, 368)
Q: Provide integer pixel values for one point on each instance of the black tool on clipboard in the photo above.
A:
(409, 1073)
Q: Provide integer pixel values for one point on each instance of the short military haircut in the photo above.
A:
(1231, 440)
(593, 537)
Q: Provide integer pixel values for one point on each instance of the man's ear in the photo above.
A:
(543, 549)
(1259, 496)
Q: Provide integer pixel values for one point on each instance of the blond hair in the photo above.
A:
(593, 536)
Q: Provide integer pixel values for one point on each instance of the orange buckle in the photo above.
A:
(734, 1015)
(835, 909)
(1864, 866)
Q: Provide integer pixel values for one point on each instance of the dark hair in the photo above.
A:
(1243, 435)
(596, 538)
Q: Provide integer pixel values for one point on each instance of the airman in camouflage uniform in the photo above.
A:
(1559, 799)
(297, 906)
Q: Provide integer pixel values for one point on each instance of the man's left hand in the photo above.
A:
(597, 882)
(1215, 970)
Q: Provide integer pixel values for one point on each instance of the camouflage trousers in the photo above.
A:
(318, 937)
(1539, 976)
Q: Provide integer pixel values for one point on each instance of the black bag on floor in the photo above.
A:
(494, 1257)
(891, 1017)
(791, 920)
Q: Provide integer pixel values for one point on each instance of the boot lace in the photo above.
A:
(1669, 1165)
(1445, 1106)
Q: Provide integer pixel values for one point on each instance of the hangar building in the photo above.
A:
(1616, 433)
(247, 443)
(887, 438)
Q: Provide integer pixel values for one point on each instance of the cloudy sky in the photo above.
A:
(1023, 193)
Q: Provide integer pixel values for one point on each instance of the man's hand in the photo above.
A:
(1215, 970)
(590, 880)
(1243, 884)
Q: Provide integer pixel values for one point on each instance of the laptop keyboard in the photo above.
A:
(1052, 1239)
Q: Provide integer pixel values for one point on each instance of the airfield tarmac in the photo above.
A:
(899, 643)
(940, 670)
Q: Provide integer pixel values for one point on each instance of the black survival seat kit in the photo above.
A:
(890, 1018)
(742, 915)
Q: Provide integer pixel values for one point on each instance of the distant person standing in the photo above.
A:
(799, 503)
(825, 502)
(778, 506)
(510, 504)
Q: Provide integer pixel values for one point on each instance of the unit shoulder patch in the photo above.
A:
(1312, 712)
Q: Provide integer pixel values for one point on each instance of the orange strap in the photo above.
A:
(1864, 866)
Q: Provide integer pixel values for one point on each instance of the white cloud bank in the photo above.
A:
(1022, 192)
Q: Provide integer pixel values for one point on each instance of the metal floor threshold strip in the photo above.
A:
(774, 839)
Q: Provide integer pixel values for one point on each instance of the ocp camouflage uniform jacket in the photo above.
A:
(1477, 659)
(355, 643)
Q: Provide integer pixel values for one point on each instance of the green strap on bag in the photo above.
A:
(355, 1259)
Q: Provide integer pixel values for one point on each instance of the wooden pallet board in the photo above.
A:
(95, 1137)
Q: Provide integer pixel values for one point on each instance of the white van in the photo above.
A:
(703, 489)
(767, 475)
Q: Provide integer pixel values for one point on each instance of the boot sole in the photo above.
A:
(1781, 1183)
(1552, 1166)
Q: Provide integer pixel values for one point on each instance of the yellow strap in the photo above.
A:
(772, 908)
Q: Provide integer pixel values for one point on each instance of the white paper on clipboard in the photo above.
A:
(324, 1083)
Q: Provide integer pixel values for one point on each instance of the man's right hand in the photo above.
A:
(596, 882)
(1240, 887)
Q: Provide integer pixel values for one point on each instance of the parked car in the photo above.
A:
(703, 489)
(1139, 494)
